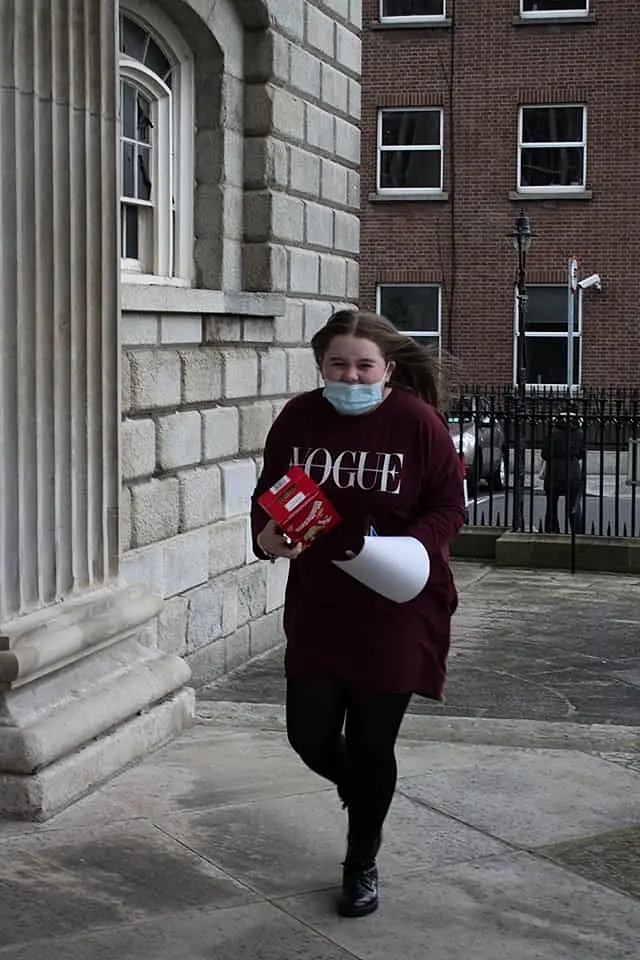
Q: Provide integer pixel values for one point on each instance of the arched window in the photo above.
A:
(156, 148)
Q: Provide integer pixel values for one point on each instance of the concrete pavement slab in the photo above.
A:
(256, 932)
(273, 846)
(85, 813)
(212, 767)
(416, 836)
(629, 760)
(161, 884)
(513, 906)
(534, 645)
(531, 798)
(279, 848)
(415, 758)
(611, 858)
(64, 882)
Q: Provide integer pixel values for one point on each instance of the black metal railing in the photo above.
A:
(591, 441)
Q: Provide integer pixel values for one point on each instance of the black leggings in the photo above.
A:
(572, 492)
(361, 762)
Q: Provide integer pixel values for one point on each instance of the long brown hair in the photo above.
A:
(416, 368)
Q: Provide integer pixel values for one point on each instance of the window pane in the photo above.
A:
(129, 231)
(412, 8)
(128, 95)
(136, 42)
(157, 62)
(410, 128)
(547, 309)
(432, 343)
(550, 167)
(128, 170)
(547, 360)
(143, 119)
(410, 169)
(557, 6)
(412, 308)
(552, 124)
(133, 39)
(144, 173)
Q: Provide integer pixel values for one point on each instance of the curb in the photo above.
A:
(523, 734)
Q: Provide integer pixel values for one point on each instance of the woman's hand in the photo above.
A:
(271, 540)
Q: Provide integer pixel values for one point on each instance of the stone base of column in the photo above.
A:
(81, 697)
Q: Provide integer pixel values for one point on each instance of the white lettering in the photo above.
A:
(350, 474)
(389, 471)
(363, 469)
(326, 468)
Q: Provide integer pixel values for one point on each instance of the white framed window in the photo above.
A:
(410, 150)
(156, 148)
(553, 8)
(146, 199)
(412, 11)
(552, 148)
(547, 337)
(414, 309)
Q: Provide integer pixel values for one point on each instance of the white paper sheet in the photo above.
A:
(395, 567)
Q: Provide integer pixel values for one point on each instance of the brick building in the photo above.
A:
(472, 110)
(178, 215)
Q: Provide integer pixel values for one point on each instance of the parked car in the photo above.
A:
(479, 437)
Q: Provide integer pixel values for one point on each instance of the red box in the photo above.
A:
(299, 507)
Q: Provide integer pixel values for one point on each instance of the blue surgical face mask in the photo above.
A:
(353, 399)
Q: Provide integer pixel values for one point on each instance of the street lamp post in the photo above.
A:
(522, 237)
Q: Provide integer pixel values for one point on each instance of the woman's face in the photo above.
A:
(354, 360)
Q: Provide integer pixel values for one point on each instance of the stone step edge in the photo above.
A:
(522, 734)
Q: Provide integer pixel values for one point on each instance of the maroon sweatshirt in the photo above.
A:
(397, 469)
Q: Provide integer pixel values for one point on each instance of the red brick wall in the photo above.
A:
(485, 66)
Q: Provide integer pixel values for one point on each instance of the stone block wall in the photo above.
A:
(302, 154)
(199, 394)
(205, 372)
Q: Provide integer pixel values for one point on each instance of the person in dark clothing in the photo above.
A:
(563, 453)
(376, 444)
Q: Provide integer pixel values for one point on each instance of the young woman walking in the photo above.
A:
(376, 444)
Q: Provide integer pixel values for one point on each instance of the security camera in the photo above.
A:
(592, 281)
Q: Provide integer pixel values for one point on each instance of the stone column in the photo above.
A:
(59, 306)
(66, 629)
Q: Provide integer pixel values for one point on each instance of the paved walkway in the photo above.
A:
(510, 836)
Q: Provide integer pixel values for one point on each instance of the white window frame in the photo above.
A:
(174, 234)
(413, 286)
(413, 17)
(549, 335)
(553, 188)
(551, 14)
(420, 148)
(150, 84)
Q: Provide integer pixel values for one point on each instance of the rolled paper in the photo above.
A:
(395, 567)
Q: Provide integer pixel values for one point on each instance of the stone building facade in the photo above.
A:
(179, 214)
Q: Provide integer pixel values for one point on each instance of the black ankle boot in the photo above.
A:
(359, 882)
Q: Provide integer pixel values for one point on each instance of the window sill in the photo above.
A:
(523, 197)
(149, 298)
(445, 24)
(565, 19)
(151, 279)
(408, 197)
